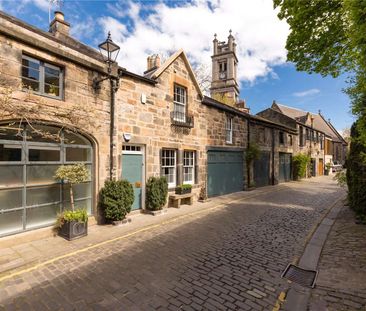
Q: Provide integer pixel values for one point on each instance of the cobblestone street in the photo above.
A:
(341, 282)
(227, 259)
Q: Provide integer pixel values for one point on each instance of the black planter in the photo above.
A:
(182, 190)
(73, 230)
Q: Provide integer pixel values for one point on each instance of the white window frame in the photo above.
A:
(165, 157)
(189, 165)
(42, 82)
(229, 130)
(180, 106)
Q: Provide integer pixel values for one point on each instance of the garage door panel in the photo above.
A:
(285, 160)
(224, 172)
(261, 168)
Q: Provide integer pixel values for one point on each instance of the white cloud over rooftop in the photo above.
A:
(158, 28)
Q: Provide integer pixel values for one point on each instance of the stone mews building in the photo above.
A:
(167, 128)
(317, 137)
(52, 114)
(48, 77)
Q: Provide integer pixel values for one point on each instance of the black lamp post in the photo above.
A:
(109, 51)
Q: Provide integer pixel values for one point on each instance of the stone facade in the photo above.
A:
(151, 126)
(161, 117)
(80, 65)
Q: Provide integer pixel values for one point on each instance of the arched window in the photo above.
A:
(30, 197)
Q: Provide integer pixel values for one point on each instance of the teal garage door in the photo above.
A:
(261, 169)
(285, 167)
(224, 172)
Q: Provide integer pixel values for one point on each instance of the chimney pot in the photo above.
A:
(59, 15)
(58, 26)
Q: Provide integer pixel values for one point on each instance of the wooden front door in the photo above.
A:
(320, 167)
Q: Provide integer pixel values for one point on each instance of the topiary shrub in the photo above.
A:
(117, 197)
(300, 163)
(156, 193)
(356, 173)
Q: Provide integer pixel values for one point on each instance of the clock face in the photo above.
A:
(222, 75)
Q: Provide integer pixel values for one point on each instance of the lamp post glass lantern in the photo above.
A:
(109, 51)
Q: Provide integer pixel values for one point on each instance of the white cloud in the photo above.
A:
(259, 35)
(306, 93)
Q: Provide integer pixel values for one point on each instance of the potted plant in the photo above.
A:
(156, 195)
(183, 189)
(117, 197)
(327, 168)
(72, 224)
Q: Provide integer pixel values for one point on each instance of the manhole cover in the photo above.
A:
(301, 276)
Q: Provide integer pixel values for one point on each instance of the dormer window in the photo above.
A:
(179, 115)
(180, 102)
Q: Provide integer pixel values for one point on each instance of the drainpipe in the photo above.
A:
(248, 164)
(273, 157)
(114, 84)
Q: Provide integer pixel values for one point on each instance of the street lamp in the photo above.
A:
(109, 50)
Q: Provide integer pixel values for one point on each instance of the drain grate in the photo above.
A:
(301, 276)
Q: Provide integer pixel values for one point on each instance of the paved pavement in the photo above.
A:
(227, 258)
(341, 282)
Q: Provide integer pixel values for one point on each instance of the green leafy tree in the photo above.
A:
(329, 37)
(300, 164)
(72, 174)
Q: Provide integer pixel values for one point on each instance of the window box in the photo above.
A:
(183, 189)
(182, 119)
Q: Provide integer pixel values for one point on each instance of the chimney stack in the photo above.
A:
(58, 26)
(153, 62)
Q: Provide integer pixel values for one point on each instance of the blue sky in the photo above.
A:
(145, 27)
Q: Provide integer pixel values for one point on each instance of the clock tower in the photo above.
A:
(224, 86)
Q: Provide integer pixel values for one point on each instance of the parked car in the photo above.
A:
(336, 167)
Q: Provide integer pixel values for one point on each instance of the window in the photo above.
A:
(188, 167)
(223, 66)
(321, 142)
(168, 166)
(42, 77)
(307, 134)
(30, 197)
(180, 101)
(229, 130)
(282, 138)
(317, 137)
(290, 139)
(261, 135)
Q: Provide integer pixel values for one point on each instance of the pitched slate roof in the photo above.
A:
(301, 116)
(169, 61)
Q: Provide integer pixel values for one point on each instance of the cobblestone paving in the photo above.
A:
(228, 259)
(341, 282)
